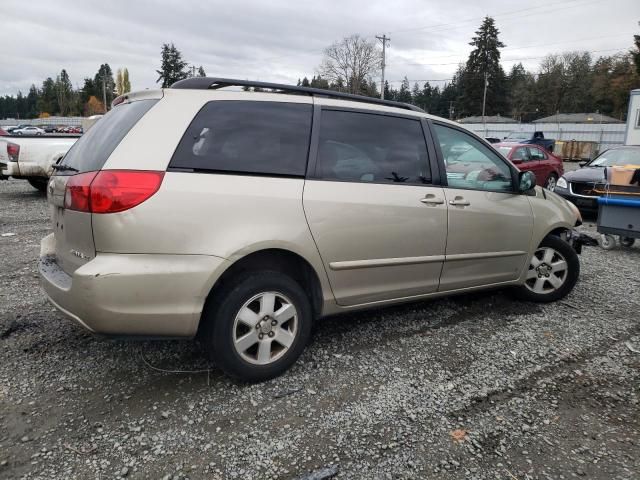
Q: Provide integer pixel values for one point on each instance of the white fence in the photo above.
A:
(605, 134)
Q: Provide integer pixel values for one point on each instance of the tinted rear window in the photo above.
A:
(269, 138)
(91, 151)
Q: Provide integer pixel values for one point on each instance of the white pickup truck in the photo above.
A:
(32, 158)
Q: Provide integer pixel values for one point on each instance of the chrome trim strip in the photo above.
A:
(385, 262)
(578, 195)
(477, 256)
(393, 262)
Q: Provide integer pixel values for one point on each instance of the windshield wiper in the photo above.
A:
(64, 168)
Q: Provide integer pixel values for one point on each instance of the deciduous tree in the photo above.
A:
(349, 62)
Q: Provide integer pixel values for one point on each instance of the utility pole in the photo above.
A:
(486, 82)
(384, 39)
(484, 101)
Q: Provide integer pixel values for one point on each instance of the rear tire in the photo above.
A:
(551, 182)
(553, 272)
(257, 325)
(38, 183)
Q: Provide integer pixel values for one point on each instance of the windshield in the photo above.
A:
(618, 157)
(505, 151)
(516, 136)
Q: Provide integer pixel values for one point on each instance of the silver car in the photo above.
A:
(243, 216)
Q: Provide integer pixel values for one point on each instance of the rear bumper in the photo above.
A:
(132, 294)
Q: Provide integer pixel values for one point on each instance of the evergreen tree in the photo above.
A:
(172, 66)
(64, 92)
(104, 80)
(305, 82)
(416, 95)
(404, 95)
(32, 102)
(484, 63)
(201, 72)
(635, 53)
(388, 95)
(48, 100)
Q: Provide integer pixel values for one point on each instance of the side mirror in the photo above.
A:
(526, 181)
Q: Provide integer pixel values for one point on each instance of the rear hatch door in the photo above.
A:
(72, 228)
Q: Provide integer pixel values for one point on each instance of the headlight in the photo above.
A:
(562, 182)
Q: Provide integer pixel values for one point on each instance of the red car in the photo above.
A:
(547, 167)
(3, 133)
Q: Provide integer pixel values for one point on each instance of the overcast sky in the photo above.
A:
(277, 40)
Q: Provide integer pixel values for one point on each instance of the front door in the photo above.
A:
(490, 226)
(379, 223)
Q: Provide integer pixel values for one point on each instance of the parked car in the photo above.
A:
(49, 128)
(234, 216)
(492, 139)
(3, 133)
(584, 186)
(29, 130)
(547, 167)
(32, 158)
(536, 138)
(11, 129)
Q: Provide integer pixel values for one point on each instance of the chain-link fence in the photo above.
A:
(37, 122)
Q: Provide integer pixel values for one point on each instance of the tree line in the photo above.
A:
(570, 82)
(59, 97)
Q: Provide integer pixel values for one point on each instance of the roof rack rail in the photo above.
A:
(205, 83)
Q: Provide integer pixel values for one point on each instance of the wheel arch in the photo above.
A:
(279, 259)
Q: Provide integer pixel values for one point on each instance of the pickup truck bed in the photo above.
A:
(32, 158)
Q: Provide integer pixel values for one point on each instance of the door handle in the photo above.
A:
(459, 202)
(430, 199)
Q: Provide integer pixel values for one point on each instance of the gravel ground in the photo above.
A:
(475, 387)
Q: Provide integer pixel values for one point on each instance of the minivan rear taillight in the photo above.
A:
(13, 151)
(110, 191)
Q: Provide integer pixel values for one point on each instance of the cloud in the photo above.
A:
(283, 40)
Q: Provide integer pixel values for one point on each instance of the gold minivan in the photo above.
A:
(243, 216)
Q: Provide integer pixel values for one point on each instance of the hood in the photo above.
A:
(586, 174)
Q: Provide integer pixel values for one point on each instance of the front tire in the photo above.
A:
(257, 325)
(553, 272)
(551, 182)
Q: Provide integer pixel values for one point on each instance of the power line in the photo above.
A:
(526, 47)
(513, 12)
(509, 59)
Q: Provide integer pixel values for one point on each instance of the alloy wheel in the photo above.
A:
(547, 271)
(551, 183)
(265, 328)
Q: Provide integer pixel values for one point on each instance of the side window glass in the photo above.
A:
(247, 137)
(362, 147)
(470, 164)
(521, 153)
(537, 154)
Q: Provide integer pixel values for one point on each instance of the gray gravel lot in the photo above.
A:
(476, 387)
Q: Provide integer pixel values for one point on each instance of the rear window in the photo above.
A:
(505, 151)
(268, 138)
(91, 151)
